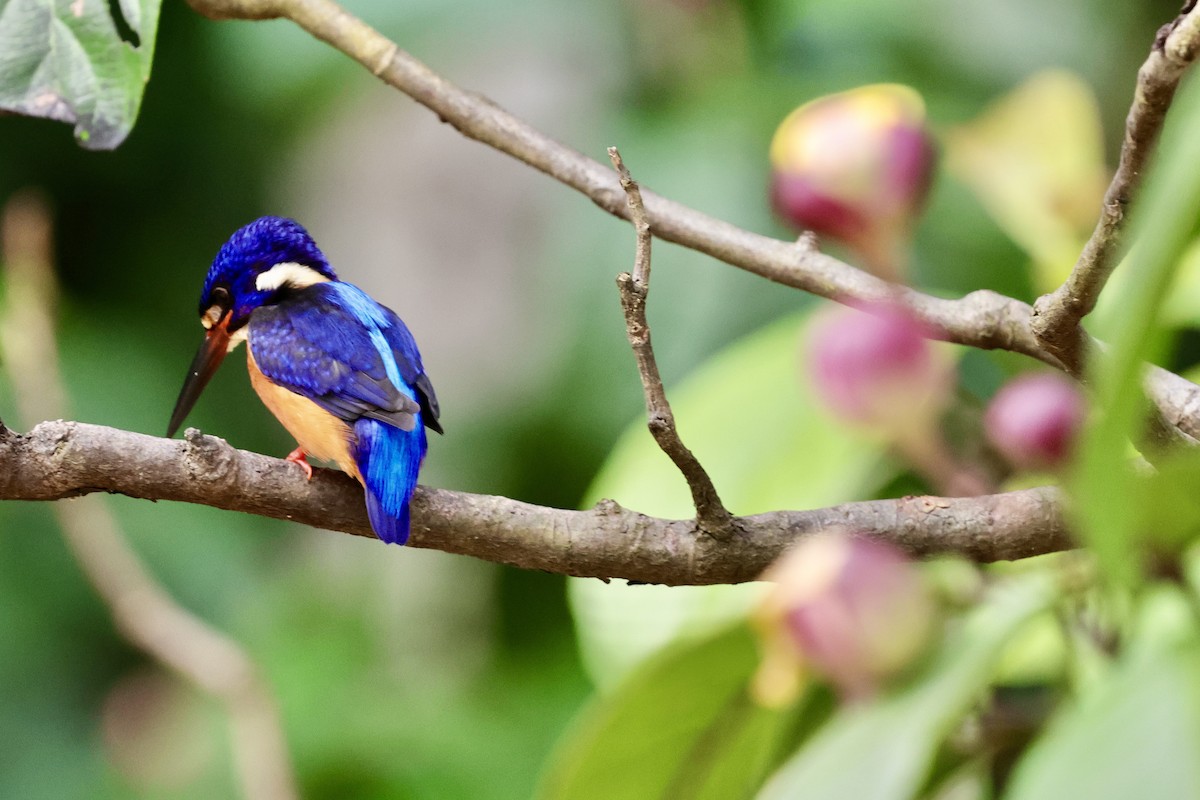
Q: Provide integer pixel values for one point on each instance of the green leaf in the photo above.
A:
(1169, 509)
(884, 750)
(1181, 306)
(1163, 223)
(750, 418)
(1137, 734)
(65, 60)
(970, 781)
(681, 727)
(1035, 159)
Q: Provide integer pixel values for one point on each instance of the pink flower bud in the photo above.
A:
(877, 368)
(856, 167)
(1035, 420)
(854, 609)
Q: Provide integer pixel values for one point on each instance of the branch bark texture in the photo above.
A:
(58, 460)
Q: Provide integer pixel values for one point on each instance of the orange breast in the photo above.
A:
(319, 433)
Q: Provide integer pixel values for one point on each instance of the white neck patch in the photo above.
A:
(237, 337)
(288, 273)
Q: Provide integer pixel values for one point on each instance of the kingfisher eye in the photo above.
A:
(221, 301)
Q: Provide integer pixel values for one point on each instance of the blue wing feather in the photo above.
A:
(333, 344)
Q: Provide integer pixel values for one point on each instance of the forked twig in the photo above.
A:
(711, 515)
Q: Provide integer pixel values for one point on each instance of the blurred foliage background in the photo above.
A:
(408, 673)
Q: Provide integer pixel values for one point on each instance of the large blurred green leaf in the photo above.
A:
(884, 750)
(1169, 508)
(1035, 158)
(65, 60)
(1137, 734)
(750, 418)
(1163, 223)
(1181, 306)
(683, 726)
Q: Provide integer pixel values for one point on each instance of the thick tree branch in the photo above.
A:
(1058, 314)
(981, 319)
(59, 460)
(711, 515)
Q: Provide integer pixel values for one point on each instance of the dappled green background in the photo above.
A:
(404, 673)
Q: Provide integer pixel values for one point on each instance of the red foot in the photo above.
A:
(297, 457)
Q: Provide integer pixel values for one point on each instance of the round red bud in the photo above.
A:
(876, 367)
(1035, 419)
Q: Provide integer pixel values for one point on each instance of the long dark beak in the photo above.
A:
(208, 358)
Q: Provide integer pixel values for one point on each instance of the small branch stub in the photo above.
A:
(711, 515)
(637, 216)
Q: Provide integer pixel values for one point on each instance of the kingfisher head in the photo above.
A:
(259, 264)
(260, 260)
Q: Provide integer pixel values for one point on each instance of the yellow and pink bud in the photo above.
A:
(853, 610)
(856, 167)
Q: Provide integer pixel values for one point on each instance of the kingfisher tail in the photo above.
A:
(388, 459)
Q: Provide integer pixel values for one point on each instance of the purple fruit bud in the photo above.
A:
(853, 609)
(877, 368)
(856, 167)
(1035, 420)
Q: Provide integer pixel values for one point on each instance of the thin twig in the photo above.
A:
(143, 611)
(1057, 315)
(982, 319)
(58, 460)
(637, 216)
(711, 515)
